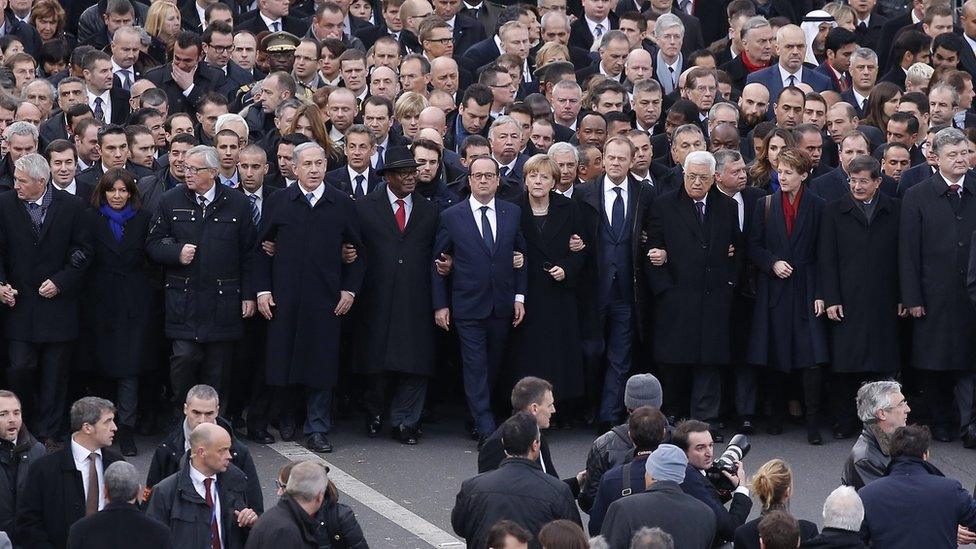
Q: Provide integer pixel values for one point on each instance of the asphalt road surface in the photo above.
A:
(403, 495)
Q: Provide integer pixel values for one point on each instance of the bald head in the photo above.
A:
(433, 118)
(792, 46)
(443, 63)
(432, 134)
(205, 435)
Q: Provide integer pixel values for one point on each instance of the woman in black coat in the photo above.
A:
(787, 330)
(858, 262)
(773, 485)
(120, 297)
(547, 343)
(337, 527)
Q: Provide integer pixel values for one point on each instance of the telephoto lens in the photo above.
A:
(736, 450)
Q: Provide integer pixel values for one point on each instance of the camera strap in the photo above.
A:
(626, 491)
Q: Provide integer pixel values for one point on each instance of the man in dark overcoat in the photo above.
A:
(858, 262)
(45, 249)
(938, 218)
(698, 226)
(203, 236)
(305, 287)
(394, 336)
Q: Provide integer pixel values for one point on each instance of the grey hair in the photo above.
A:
(290, 103)
(724, 157)
(561, 147)
(843, 509)
(599, 542)
(723, 105)
(510, 26)
(610, 36)
(69, 80)
(876, 395)
(307, 480)
(687, 128)
(647, 85)
(89, 409)
(568, 84)
(202, 392)
(48, 87)
(128, 29)
(865, 53)
(754, 22)
(948, 136)
(35, 165)
(144, 38)
(700, 158)
(552, 16)
(210, 158)
(304, 147)
(667, 21)
(229, 117)
(503, 120)
(651, 538)
(21, 128)
(952, 91)
(122, 481)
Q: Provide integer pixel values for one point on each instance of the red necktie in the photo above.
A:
(401, 214)
(214, 531)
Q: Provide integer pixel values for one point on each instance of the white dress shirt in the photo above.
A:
(71, 188)
(450, 23)
(259, 202)
(862, 102)
(741, 206)
(568, 193)
(959, 181)
(970, 41)
(118, 70)
(376, 154)
(510, 166)
(106, 104)
(604, 26)
(492, 225)
(80, 456)
(209, 195)
(785, 75)
(202, 14)
(407, 204)
(316, 194)
(197, 478)
(269, 22)
(352, 179)
(609, 195)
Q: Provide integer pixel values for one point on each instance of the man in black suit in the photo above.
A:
(967, 55)
(505, 138)
(272, 16)
(395, 342)
(840, 44)
(614, 48)
(893, 27)
(66, 486)
(466, 31)
(60, 156)
(864, 75)
(218, 41)
(556, 28)
(911, 46)
(185, 80)
(110, 16)
(45, 249)
(596, 21)
(71, 92)
(109, 103)
(357, 178)
(868, 25)
(756, 54)
(120, 521)
(616, 208)
(125, 53)
(699, 227)
(113, 148)
(471, 118)
(152, 187)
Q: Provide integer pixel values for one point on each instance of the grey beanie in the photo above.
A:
(643, 390)
(668, 462)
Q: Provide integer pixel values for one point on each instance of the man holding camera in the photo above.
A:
(694, 438)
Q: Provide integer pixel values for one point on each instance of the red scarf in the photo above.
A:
(749, 65)
(790, 210)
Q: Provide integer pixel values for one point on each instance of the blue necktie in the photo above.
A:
(98, 111)
(360, 190)
(617, 213)
(486, 228)
(503, 170)
(255, 212)
(311, 198)
(379, 158)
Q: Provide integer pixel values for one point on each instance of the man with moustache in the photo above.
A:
(395, 338)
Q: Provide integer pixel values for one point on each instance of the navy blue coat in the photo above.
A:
(834, 185)
(726, 520)
(913, 176)
(785, 333)
(770, 77)
(484, 283)
(611, 489)
(915, 506)
(305, 277)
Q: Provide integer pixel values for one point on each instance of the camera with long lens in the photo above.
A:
(737, 449)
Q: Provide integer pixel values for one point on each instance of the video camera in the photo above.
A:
(737, 449)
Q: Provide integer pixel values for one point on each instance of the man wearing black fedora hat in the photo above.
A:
(394, 335)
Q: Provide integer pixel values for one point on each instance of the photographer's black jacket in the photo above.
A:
(726, 520)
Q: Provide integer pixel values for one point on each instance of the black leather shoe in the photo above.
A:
(127, 444)
(405, 435)
(746, 427)
(941, 434)
(814, 437)
(481, 441)
(260, 435)
(287, 429)
(373, 426)
(318, 442)
(969, 438)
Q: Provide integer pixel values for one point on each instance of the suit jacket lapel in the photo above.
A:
(478, 234)
(385, 211)
(801, 218)
(49, 217)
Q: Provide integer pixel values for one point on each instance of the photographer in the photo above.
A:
(693, 437)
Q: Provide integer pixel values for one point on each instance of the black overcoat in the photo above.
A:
(305, 277)
(61, 252)
(785, 333)
(119, 301)
(118, 525)
(551, 310)
(694, 288)
(394, 322)
(933, 255)
(858, 269)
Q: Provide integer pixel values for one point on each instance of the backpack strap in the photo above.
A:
(626, 491)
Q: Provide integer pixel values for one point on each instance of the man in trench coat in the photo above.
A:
(305, 288)
(938, 218)
(395, 336)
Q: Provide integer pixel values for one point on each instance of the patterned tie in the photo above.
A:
(401, 214)
(673, 83)
(311, 198)
(360, 188)
(503, 171)
(379, 158)
(255, 212)
(617, 213)
(98, 111)
(203, 203)
(792, 81)
(276, 26)
(214, 530)
(486, 229)
(598, 30)
(36, 215)
(126, 81)
(91, 499)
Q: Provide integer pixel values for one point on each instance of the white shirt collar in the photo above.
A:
(407, 200)
(474, 6)
(568, 193)
(202, 14)
(269, 21)
(105, 95)
(353, 173)
(604, 25)
(198, 477)
(915, 19)
(116, 67)
(69, 188)
(317, 193)
(209, 195)
(450, 22)
(970, 41)
(959, 181)
(510, 165)
(866, 21)
(80, 454)
(608, 186)
(476, 206)
(784, 75)
(258, 193)
(858, 97)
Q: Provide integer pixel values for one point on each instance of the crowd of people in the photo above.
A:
(324, 208)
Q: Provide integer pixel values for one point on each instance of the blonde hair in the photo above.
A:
(542, 163)
(773, 483)
(549, 52)
(410, 103)
(157, 14)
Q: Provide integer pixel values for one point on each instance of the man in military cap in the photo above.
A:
(280, 48)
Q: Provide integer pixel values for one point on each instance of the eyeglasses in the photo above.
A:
(220, 49)
(483, 176)
(702, 178)
(861, 182)
(441, 41)
(190, 170)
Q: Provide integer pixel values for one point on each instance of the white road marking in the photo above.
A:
(356, 489)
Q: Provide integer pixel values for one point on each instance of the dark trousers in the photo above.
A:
(482, 347)
(407, 404)
(38, 373)
(248, 384)
(318, 411)
(208, 363)
(702, 382)
(937, 386)
(778, 383)
(616, 318)
(745, 390)
(127, 400)
(843, 396)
